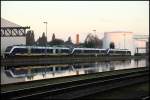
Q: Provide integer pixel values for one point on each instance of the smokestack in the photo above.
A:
(77, 39)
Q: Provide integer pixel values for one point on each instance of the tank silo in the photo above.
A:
(121, 40)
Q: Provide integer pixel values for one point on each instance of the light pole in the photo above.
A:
(94, 32)
(46, 37)
(46, 27)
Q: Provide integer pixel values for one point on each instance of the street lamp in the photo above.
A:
(46, 27)
(46, 37)
(94, 31)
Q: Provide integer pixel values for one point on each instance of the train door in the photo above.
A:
(82, 51)
(54, 51)
(126, 52)
(59, 51)
(29, 50)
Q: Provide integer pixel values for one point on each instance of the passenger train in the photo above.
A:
(118, 52)
(37, 50)
(88, 51)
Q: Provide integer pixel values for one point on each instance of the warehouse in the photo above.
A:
(12, 34)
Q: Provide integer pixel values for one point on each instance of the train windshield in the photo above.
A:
(8, 49)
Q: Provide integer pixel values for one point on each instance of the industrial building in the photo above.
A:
(121, 40)
(12, 34)
(126, 40)
(140, 43)
(77, 39)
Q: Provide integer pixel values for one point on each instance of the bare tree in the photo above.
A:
(42, 41)
(69, 39)
(56, 41)
(112, 45)
(53, 37)
(92, 41)
(30, 38)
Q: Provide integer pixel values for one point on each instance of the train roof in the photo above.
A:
(119, 49)
(40, 47)
(89, 49)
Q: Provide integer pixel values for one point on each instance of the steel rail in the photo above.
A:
(74, 87)
(71, 85)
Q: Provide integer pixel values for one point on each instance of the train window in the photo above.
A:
(77, 51)
(103, 51)
(57, 51)
(50, 69)
(15, 50)
(110, 51)
(64, 51)
(82, 51)
(64, 68)
(92, 51)
(34, 70)
(97, 51)
(24, 50)
(57, 68)
(8, 49)
(43, 50)
(35, 50)
(118, 52)
(128, 52)
(86, 51)
(38, 70)
(121, 52)
(18, 72)
(20, 50)
(50, 50)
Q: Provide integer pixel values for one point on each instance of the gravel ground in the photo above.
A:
(132, 92)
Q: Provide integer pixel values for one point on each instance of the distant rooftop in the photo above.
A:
(141, 36)
(6, 23)
(9, 29)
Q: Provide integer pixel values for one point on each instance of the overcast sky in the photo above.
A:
(67, 18)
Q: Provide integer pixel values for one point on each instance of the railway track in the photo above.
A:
(79, 88)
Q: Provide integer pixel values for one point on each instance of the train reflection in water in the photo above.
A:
(30, 73)
(83, 68)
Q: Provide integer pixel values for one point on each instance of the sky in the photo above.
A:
(68, 18)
